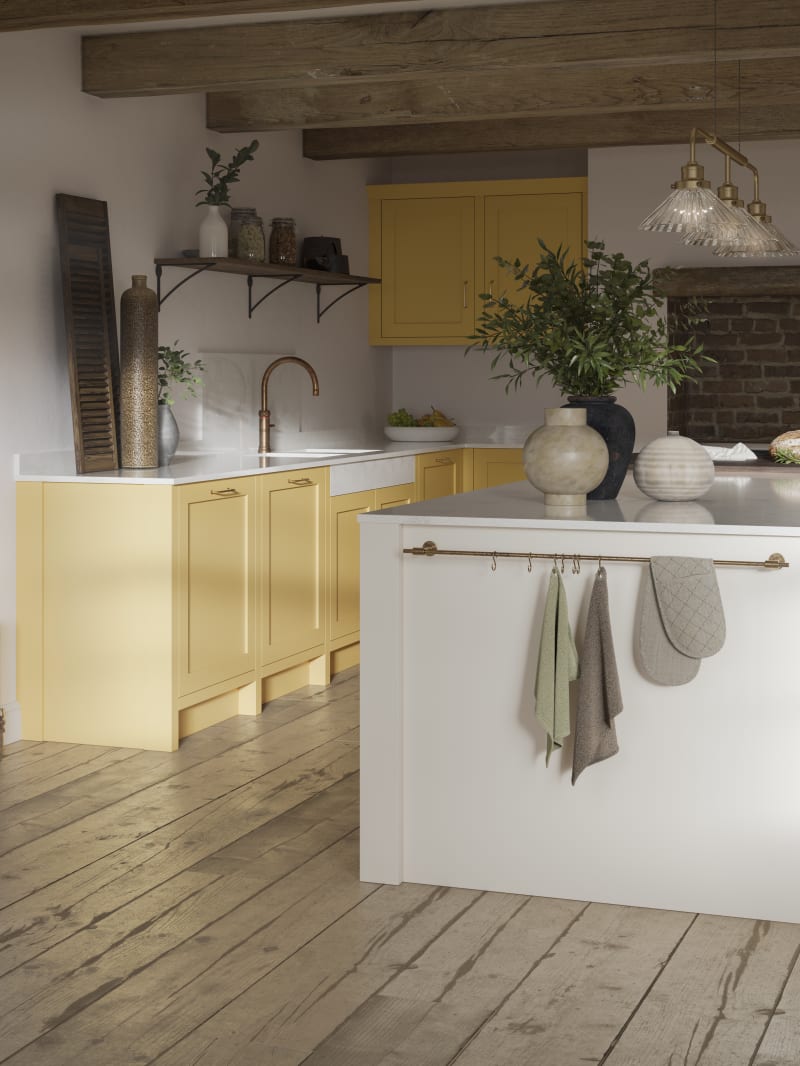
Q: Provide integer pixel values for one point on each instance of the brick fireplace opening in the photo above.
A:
(752, 328)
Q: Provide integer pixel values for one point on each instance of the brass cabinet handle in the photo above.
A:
(465, 293)
(224, 492)
(300, 481)
(443, 461)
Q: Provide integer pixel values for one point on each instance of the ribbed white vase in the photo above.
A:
(673, 468)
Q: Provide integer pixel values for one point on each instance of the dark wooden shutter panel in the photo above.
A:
(91, 324)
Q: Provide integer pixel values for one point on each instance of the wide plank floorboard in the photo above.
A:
(203, 908)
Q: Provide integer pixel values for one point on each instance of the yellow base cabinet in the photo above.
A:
(345, 561)
(135, 610)
(497, 466)
(439, 474)
(433, 246)
(216, 582)
(292, 566)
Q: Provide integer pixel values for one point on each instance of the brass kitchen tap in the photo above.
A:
(264, 424)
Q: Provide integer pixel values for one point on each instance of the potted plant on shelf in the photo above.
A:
(590, 326)
(214, 228)
(174, 368)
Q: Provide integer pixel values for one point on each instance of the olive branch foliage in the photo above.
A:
(175, 368)
(222, 175)
(591, 326)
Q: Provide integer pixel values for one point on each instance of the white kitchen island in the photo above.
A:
(699, 811)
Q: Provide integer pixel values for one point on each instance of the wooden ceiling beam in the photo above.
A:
(402, 46)
(40, 14)
(576, 131)
(523, 92)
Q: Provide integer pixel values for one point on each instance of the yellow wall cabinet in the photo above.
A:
(292, 568)
(345, 563)
(433, 246)
(439, 474)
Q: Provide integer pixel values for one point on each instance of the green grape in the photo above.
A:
(401, 417)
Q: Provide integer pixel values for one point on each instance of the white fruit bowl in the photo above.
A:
(421, 433)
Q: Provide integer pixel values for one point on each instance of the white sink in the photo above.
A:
(319, 453)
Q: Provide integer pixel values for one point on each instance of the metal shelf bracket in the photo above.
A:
(341, 296)
(159, 269)
(252, 306)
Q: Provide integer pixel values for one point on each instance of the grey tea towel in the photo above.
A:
(558, 665)
(599, 696)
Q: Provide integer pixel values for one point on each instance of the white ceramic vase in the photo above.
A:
(213, 237)
(673, 468)
(168, 434)
(565, 458)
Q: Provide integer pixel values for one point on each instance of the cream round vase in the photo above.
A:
(565, 458)
(673, 468)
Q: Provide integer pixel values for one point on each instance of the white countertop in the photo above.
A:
(191, 467)
(737, 505)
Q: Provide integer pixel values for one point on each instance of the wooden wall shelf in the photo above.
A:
(284, 274)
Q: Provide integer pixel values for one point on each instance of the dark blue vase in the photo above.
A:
(615, 425)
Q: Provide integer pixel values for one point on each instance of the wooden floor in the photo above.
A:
(204, 907)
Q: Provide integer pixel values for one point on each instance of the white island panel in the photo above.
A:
(699, 811)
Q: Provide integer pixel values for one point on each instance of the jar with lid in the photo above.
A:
(283, 242)
(238, 216)
(250, 240)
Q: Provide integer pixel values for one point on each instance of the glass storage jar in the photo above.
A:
(238, 216)
(250, 240)
(283, 242)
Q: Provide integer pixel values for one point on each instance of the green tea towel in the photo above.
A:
(599, 696)
(558, 665)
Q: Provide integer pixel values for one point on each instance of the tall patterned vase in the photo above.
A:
(138, 375)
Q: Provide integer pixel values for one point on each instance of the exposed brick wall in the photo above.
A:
(752, 392)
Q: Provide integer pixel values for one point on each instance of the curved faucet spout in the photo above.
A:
(264, 424)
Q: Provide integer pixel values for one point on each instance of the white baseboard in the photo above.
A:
(13, 731)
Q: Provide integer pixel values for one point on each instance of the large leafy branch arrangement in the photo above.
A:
(591, 326)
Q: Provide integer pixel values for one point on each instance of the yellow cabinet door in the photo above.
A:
(292, 563)
(216, 582)
(393, 496)
(427, 267)
(497, 466)
(514, 223)
(438, 474)
(345, 561)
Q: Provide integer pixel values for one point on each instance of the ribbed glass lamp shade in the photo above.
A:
(687, 210)
(751, 239)
(784, 245)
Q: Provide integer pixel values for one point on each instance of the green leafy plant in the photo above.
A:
(590, 326)
(175, 368)
(222, 175)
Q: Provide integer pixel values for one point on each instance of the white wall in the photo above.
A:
(625, 184)
(144, 158)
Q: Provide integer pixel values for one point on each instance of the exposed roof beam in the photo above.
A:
(400, 46)
(520, 92)
(39, 14)
(577, 131)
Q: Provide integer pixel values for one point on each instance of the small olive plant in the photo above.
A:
(175, 368)
(222, 175)
(590, 325)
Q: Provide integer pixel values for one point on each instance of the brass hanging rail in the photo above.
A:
(775, 562)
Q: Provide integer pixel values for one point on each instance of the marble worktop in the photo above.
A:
(734, 504)
(190, 467)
